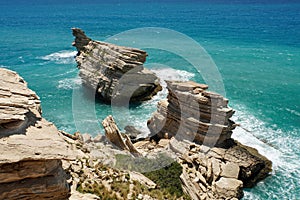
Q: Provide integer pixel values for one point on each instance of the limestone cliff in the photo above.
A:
(114, 72)
(31, 148)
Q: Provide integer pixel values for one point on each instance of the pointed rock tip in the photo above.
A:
(77, 32)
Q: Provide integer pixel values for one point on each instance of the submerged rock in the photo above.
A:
(31, 148)
(114, 72)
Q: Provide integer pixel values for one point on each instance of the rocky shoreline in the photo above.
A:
(190, 144)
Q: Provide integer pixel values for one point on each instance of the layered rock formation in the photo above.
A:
(39, 162)
(31, 148)
(191, 112)
(220, 167)
(114, 72)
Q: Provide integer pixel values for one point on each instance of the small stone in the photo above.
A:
(87, 138)
(230, 170)
(140, 196)
(216, 168)
(99, 138)
(163, 142)
(229, 187)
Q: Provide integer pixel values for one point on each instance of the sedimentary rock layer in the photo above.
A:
(114, 72)
(191, 112)
(31, 148)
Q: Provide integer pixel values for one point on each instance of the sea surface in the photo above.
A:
(255, 45)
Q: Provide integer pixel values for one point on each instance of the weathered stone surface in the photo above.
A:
(31, 148)
(114, 72)
(192, 113)
(253, 166)
(18, 104)
(228, 187)
(114, 135)
(230, 170)
(217, 174)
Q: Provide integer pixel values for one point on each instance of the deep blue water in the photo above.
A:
(255, 44)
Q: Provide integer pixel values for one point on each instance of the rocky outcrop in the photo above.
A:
(31, 148)
(114, 135)
(114, 72)
(215, 167)
(219, 173)
(191, 112)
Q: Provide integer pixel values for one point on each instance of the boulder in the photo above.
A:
(228, 187)
(114, 72)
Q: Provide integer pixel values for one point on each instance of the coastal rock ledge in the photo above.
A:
(31, 148)
(114, 72)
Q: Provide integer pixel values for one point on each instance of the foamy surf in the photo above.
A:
(69, 83)
(282, 150)
(61, 57)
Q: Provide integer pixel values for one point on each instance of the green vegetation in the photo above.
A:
(99, 190)
(116, 185)
(168, 179)
(142, 164)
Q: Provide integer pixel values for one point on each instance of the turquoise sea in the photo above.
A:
(255, 44)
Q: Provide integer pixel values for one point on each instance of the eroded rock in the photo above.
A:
(202, 171)
(114, 72)
(31, 148)
(114, 135)
(198, 124)
(192, 113)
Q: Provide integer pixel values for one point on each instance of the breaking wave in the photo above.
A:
(61, 57)
(282, 148)
(69, 83)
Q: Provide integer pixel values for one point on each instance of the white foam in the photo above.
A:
(282, 148)
(66, 73)
(61, 57)
(168, 73)
(173, 74)
(69, 83)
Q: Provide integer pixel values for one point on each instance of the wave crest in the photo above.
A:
(61, 57)
(69, 83)
(282, 148)
(173, 74)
